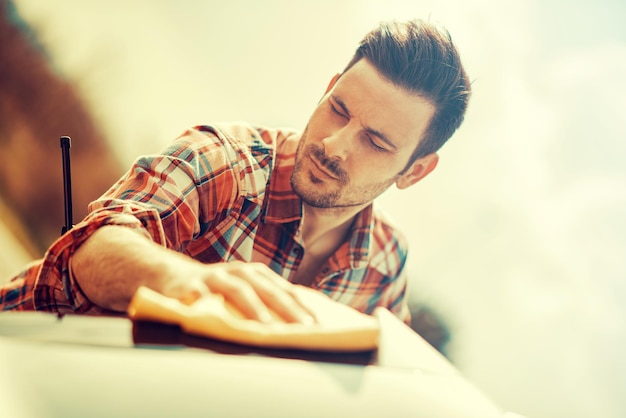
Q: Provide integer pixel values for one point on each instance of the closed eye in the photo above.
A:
(373, 137)
(374, 145)
(338, 112)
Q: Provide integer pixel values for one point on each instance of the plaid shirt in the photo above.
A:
(221, 193)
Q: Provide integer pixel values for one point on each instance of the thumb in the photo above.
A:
(190, 291)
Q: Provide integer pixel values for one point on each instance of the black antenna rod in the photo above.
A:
(66, 143)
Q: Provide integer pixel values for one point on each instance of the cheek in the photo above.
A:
(370, 167)
(361, 168)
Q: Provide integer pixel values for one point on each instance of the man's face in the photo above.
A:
(358, 140)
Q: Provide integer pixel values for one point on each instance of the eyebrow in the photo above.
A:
(367, 129)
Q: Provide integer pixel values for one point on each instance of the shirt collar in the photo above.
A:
(282, 204)
(359, 243)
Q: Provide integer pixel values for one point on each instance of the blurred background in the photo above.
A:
(517, 239)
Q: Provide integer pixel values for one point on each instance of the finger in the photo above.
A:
(194, 290)
(242, 295)
(275, 292)
(282, 300)
(287, 287)
(186, 291)
(296, 297)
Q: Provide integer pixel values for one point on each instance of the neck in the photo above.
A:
(326, 227)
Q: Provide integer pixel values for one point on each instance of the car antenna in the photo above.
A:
(66, 143)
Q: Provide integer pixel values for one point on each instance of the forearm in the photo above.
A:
(115, 261)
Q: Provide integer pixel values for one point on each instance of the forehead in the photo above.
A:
(381, 105)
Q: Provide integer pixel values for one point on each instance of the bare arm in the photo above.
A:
(115, 261)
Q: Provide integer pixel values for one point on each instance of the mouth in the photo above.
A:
(319, 167)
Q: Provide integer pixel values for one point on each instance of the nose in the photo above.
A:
(337, 144)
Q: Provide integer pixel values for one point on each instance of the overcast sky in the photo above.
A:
(517, 239)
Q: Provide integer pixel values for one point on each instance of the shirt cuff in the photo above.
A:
(55, 288)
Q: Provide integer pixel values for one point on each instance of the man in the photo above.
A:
(236, 209)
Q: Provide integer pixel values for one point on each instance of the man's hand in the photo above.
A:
(251, 287)
(111, 265)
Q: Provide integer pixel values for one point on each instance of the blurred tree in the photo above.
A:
(37, 107)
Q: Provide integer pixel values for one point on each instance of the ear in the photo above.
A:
(418, 170)
(332, 82)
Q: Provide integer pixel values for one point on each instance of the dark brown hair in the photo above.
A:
(421, 58)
